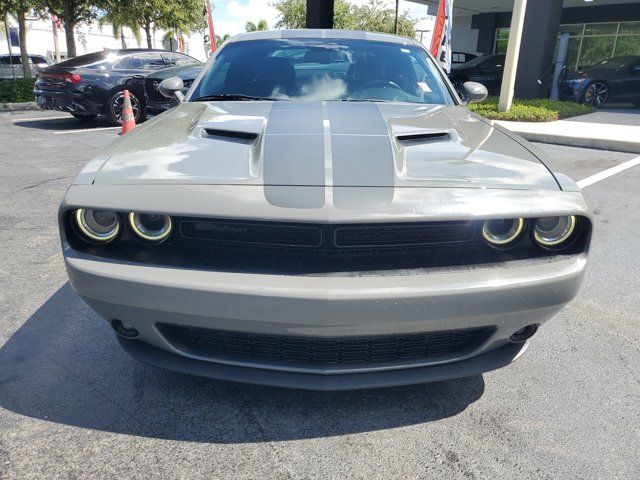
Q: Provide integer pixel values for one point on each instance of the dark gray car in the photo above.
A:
(323, 212)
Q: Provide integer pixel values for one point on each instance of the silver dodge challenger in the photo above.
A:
(322, 211)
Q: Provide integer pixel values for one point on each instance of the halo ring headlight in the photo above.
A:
(551, 232)
(151, 227)
(502, 232)
(101, 226)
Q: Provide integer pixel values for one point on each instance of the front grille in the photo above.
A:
(319, 352)
(151, 87)
(326, 237)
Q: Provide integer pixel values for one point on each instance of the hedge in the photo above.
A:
(16, 91)
(536, 110)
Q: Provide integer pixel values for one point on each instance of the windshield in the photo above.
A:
(322, 69)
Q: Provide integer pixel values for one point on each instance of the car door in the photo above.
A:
(629, 83)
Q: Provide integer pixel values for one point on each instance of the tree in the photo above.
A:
(71, 13)
(174, 15)
(252, 27)
(221, 39)
(119, 15)
(19, 9)
(373, 17)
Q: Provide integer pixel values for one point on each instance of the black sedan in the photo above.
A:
(616, 80)
(93, 84)
(487, 69)
(155, 101)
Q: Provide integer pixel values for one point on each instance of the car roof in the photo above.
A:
(319, 33)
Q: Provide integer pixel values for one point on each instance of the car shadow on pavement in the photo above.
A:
(63, 124)
(64, 365)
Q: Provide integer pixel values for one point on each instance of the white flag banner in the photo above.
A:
(441, 40)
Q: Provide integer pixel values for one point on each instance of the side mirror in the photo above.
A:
(473, 92)
(172, 88)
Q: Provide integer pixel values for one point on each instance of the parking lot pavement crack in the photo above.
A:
(43, 182)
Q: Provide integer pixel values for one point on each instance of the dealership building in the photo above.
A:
(598, 30)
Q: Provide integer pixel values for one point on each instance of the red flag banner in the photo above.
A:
(441, 40)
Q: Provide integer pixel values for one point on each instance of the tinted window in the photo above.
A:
(84, 60)
(8, 60)
(324, 69)
(177, 60)
(149, 61)
(37, 59)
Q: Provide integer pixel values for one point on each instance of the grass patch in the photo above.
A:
(536, 110)
(16, 91)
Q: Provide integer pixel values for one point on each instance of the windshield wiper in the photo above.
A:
(229, 96)
(364, 100)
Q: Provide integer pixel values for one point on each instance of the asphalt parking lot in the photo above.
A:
(74, 405)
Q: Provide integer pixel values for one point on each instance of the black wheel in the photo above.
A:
(116, 103)
(85, 117)
(458, 85)
(596, 94)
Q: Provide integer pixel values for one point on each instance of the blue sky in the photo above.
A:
(230, 16)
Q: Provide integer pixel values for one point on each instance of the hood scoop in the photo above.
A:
(423, 137)
(221, 134)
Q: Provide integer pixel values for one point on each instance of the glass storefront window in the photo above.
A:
(628, 45)
(596, 49)
(601, 29)
(629, 28)
(593, 43)
(590, 43)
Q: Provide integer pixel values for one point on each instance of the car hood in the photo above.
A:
(321, 144)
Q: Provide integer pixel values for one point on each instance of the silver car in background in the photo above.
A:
(323, 212)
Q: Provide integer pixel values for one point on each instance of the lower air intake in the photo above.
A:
(318, 352)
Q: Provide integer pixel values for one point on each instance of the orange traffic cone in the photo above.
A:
(128, 120)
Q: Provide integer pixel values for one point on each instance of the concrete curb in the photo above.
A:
(17, 107)
(596, 143)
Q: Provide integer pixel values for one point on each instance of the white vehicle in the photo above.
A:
(11, 65)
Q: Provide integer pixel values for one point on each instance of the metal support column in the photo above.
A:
(320, 13)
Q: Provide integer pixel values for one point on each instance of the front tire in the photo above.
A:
(115, 105)
(596, 94)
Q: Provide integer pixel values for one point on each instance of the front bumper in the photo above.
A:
(505, 298)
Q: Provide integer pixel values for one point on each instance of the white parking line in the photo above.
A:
(84, 130)
(37, 119)
(585, 182)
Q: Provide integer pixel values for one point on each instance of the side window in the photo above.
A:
(14, 59)
(175, 59)
(151, 61)
(141, 62)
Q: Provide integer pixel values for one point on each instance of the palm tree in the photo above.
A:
(221, 39)
(119, 18)
(252, 27)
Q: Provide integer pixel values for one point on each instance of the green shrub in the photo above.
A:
(536, 110)
(15, 91)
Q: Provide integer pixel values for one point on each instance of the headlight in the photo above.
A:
(98, 225)
(551, 232)
(150, 227)
(503, 232)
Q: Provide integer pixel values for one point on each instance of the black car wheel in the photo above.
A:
(458, 85)
(115, 106)
(596, 94)
(84, 116)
